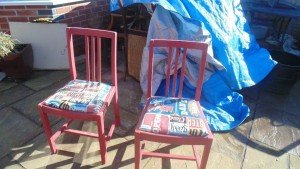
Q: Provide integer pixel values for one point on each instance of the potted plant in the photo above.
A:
(16, 60)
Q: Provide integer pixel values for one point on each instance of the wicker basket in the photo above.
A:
(136, 44)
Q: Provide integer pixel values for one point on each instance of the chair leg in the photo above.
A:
(205, 155)
(116, 110)
(101, 138)
(138, 153)
(48, 130)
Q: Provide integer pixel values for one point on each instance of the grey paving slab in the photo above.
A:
(216, 159)
(14, 94)
(7, 163)
(294, 162)
(120, 155)
(257, 156)
(276, 128)
(28, 105)
(130, 96)
(37, 154)
(219, 160)
(128, 121)
(130, 92)
(4, 85)
(75, 152)
(167, 163)
(231, 146)
(15, 130)
(45, 79)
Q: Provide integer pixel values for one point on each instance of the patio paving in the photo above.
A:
(269, 138)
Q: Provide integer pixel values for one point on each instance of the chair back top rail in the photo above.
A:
(92, 41)
(91, 32)
(177, 45)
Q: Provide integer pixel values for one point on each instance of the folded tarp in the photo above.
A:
(238, 60)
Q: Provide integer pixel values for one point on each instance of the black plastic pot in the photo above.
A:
(284, 75)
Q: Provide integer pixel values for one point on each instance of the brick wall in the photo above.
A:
(90, 13)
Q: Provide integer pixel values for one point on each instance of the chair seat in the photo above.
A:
(173, 116)
(80, 96)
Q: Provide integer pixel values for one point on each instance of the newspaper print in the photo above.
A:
(80, 95)
(173, 116)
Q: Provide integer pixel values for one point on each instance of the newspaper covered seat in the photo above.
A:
(80, 96)
(173, 116)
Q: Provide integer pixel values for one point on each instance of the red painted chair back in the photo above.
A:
(92, 39)
(179, 46)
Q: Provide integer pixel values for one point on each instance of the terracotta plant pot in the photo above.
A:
(18, 65)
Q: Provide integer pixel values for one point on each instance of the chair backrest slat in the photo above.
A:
(201, 75)
(150, 70)
(114, 60)
(93, 59)
(182, 73)
(168, 70)
(178, 45)
(70, 45)
(87, 57)
(92, 39)
(175, 72)
(99, 58)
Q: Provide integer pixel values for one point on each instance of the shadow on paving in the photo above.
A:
(276, 124)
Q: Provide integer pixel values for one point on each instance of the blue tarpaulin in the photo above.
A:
(234, 47)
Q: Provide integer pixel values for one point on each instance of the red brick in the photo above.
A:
(92, 15)
(85, 11)
(97, 9)
(101, 14)
(3, 20)
(106, 7)
(4, 26)
(18, 19)
(63, 10)
(71, 14)
(101, 3)
(7, 13)
(36, 7)
(67, 21)
(84, 23)
(76, 24)
(14, 7)
(79, 18)
(27, 12)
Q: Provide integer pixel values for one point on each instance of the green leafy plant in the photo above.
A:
(7, 44)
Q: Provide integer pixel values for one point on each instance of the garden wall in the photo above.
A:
(83, 13)
(91, 13)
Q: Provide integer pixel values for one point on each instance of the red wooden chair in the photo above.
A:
(88, 99)
(174, 120)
